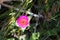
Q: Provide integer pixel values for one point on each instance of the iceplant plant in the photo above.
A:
(22, 21)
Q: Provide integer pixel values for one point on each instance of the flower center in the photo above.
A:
(23, 22)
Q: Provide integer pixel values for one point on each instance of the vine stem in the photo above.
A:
(19, 34)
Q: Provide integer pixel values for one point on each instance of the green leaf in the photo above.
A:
(11, 39)
(52, 32)
(35, 36)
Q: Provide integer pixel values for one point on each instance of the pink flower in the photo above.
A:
(22, 21)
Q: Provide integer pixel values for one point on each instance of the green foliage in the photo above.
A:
(39, 28)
